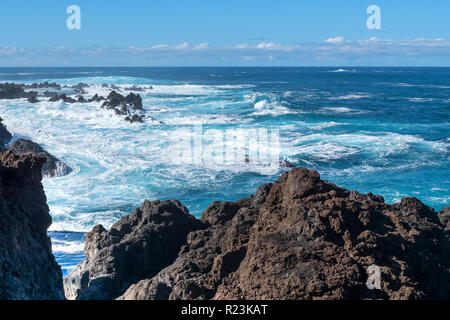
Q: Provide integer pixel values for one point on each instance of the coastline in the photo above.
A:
(233, 233)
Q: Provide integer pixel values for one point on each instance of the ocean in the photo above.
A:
(379, 130)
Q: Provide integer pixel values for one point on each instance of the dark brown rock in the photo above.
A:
(33, 99)
(14, 91)
(53, 167)
(135, 248)
(211, 253)
(444, 216)
(314, 240)
(96, 98)
(28, 269)
(305, 238)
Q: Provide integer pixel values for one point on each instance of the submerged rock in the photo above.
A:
(53, 167)
(96, 98)
(28, 268)
(135, 118)
(134, 88)
(135, 248)
(305, 238)
(33, 99)
(79, 88)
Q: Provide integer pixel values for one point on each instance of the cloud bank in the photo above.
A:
(331, 52)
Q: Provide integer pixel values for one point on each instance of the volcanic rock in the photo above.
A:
(33, 99)
(96, 98)
(14, 91)
(115, 100)
(135, 118)
(137, 247)
(45, 84)
(210, 255)
(53, 167)
(28, 269)
(62, 97)
(305, 238)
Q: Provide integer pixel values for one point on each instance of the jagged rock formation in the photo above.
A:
(444, 216)
(305, 238)
(96, 98)
(62, 97)
(14, 91)
(316, 240)
(44, 84)
(116, 100)
(210, 254)
(53, 167)
(135, 248)
(129, 106)
(28, 269)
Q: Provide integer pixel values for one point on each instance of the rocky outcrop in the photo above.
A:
(135, 118)
(129, 106)
(28, 269)
(209, 255)
(316, 240)
(135, 248)
(5, 136)
(444, 216)
(118, 101)
(33, 99)
(62, 97)
(14, 91)
(42, 85)
(305, 238)
(53, 167)
(80, 88)
(96, 98)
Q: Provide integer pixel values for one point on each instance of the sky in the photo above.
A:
(224, 33)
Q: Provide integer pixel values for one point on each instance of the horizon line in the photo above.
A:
(231, 66)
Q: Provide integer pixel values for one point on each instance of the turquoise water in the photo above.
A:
(380, 130)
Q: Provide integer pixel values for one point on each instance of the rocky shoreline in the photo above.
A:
(298, 238)
(52, 167)
(130, 106)
(28, 269)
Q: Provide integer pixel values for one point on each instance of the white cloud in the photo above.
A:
(201, 46)
(362, 52)
(267, 45)
(335, 40)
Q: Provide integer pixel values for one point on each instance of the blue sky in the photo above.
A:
(219, 32)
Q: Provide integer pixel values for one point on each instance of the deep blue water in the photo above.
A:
(380, 130)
